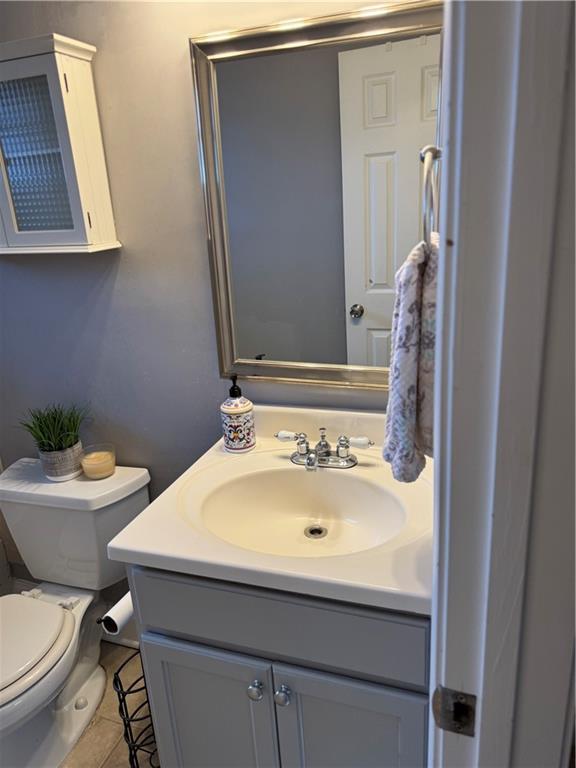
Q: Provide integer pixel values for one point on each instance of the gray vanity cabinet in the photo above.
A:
(215, 709)
(203, 714)
(245, 677)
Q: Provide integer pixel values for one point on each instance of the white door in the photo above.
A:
(388, 109)
(503, 597)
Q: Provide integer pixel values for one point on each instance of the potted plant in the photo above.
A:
(55, 430)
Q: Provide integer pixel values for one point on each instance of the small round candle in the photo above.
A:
(99, 461)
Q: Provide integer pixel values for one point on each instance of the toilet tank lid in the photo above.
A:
(24, 482)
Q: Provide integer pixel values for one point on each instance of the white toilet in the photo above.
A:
(50, 679)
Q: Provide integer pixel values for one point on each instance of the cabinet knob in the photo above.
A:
(282, 696)
(255, 690)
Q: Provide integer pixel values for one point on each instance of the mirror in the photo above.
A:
(310, 139)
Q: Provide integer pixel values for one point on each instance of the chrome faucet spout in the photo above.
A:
(311, 461)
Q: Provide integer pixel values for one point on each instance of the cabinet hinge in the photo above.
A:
(454, 711)
(66, 83)
(89, 219)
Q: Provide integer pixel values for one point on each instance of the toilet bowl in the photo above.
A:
(50, 680)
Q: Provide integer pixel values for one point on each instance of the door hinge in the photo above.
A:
(66, 83)
(454, 711)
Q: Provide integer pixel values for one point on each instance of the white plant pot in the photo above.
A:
(60, 466)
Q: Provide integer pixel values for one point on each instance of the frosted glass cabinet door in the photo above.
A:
(329, 721)
(207, 707)
(39, 197)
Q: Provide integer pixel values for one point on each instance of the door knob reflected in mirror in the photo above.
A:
(356, 311)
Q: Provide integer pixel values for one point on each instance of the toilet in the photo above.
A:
(50, 680)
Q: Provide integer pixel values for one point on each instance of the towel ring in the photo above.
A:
(429, 155)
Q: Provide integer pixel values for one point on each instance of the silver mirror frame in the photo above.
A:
(393, 22)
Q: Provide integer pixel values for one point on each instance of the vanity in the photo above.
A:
(266, 643)
(283, 595)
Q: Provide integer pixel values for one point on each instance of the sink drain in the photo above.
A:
(316, 532)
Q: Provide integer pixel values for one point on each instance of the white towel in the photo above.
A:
(410, 414)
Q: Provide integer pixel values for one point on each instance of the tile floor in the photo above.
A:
(102, 744)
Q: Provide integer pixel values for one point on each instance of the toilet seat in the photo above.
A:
(34, 634)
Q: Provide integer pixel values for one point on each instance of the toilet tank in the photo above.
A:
(62, 529)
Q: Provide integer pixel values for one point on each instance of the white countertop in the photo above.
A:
(396, 575)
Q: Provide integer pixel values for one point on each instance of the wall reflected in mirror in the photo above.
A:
(322, 176)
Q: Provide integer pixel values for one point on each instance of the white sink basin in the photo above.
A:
(302, 514)
(244, 518)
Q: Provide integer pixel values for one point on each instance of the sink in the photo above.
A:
(351, 535)
(294, 513)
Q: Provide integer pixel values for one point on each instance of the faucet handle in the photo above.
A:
(285, 436)
(345, 443)
(302, 445)
(360, 442)
(343, 447)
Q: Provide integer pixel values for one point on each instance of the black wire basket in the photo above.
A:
(136, 717)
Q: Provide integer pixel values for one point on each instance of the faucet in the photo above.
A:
(311, 461)
(322, 454)
(323, 447)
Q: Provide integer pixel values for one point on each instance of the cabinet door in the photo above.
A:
(203, 714)
(39, 195)
(325, 721)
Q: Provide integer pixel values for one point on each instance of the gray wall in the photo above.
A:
(133, 333)
(280, 118)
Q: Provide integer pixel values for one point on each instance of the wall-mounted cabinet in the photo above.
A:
(54, 192)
